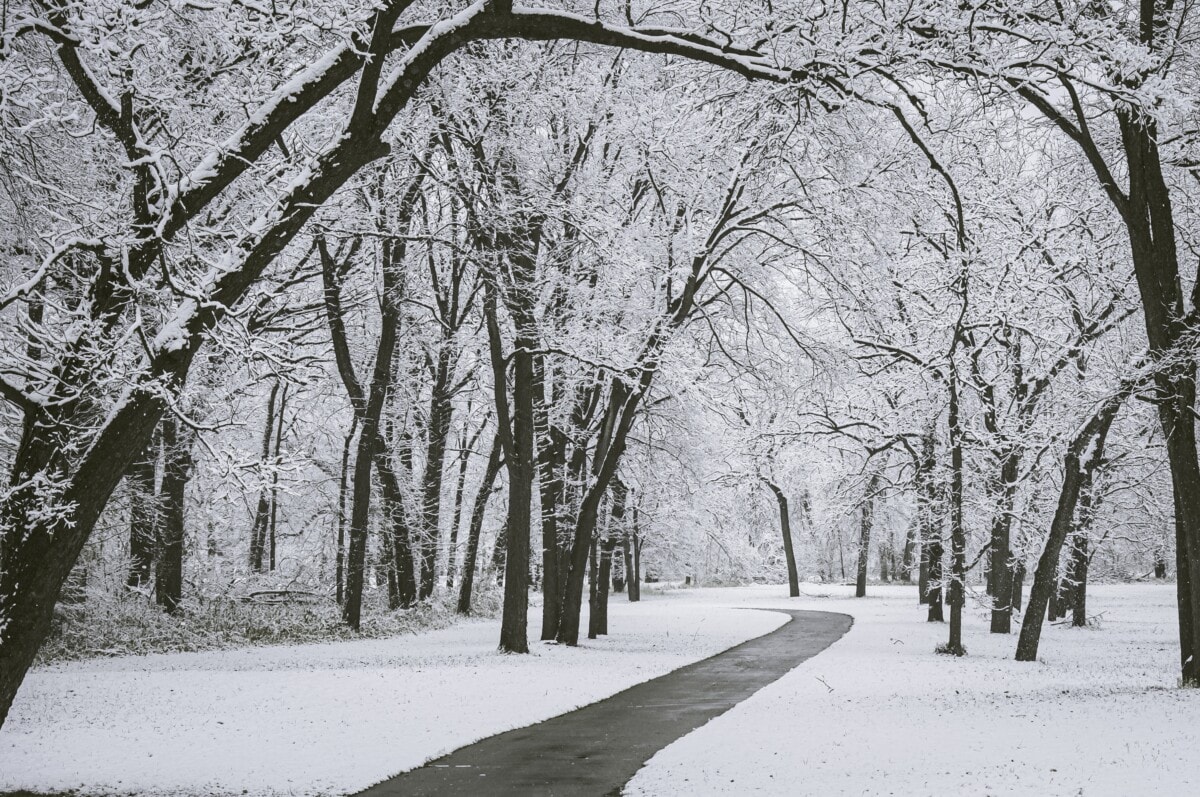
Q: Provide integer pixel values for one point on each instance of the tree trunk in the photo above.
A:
(785, 529)
(958, 538)
(467, 582)
(177, 470)
(864, 536)
(593, 593)
(262, 514)
(634, 574)
(1084, 454)
(550, 455)
(1079, 575)
(440, 416)
(343, 481)
(516, 434)
(605, 579)
(1018, 584)
(1001, 552)
(1149, 218)
(370, 439)
(272, 523)
(140, 478)
(459, 487)
(908, 558)
(402, 586)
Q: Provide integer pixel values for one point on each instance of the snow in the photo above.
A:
(878, 713)
(316, 719)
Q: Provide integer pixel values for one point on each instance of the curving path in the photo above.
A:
(597, 749)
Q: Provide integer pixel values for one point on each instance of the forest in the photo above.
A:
(341, 321)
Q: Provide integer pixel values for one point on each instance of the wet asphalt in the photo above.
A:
(595, 750)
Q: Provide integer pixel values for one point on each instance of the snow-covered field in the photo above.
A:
(333, 718)
(878, 713)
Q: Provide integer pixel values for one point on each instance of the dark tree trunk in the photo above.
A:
(1001, 542)
(593, 592)
(930, 531)
(923, 576)
(467, 582)
(440, 416)
(464, 455)
(550, 459)
(140, 479)
(1149, 218)
(369, 439)
(177, 470)
(262, 514)
(402, 587)
(1054, 608)
(1018, 584)
(785, 529)
(908, 557)
(864, 536)
(343, 482)
(273, 522)
(1077, 470)
(605, 580)
(1079, 576)
(515, 423)
(958, 537)
(634, 563)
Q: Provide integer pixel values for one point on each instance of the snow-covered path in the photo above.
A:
(335, 718)
(879, 714)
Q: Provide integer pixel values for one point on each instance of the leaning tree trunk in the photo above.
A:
(272, 522)
(467, 582)
(369, 439)
(785, 528)
(1084, 454)
(177, 470)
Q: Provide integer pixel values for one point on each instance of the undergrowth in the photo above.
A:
(131, 624)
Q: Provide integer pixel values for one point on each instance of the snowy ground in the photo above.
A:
(878, 713)
(333, 718)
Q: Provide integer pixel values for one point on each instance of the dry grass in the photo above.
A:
(131, 624)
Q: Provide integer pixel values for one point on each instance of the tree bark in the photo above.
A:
(1084, 454)
(486, 487)
(402, 586)
(551, 453)
(1001, 542)
(370, 439)
(785, 528)
(140, 478)
(262, 514)
(864, 536)
(958, 538)
(177, 470)
(440, 415)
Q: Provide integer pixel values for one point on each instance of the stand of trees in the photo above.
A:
(718, 292)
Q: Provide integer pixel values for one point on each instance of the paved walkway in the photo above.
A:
(597, 749)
